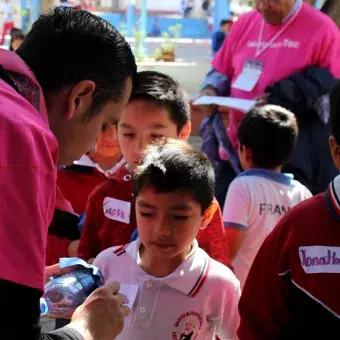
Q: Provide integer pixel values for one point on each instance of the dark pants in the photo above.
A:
(224, 175)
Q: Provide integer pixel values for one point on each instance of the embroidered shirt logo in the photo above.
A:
(117, 210)
(187, 326)
(320, 259)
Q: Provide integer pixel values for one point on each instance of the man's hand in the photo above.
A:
(73, 248)
(262, 100)
(52, 271)
(224, 112)
(101, 317)
(208, 91)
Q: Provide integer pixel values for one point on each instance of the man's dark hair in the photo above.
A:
(66, 46)
(225, 22)
(176, 166)
(335, 111)
(270, 132)
(164, 91)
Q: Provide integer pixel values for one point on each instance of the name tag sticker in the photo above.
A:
(130, 291)
(117, 210)
(249, 76)
(320, 259)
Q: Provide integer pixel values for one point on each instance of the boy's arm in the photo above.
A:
(212, 240)
(56, 248)
(236, 216)
(89, 246)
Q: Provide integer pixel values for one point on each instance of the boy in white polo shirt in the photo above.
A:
(176, 290)
(261, 195)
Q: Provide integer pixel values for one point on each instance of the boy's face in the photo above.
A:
(169, 222)
(142, 122)
(107, 145)
(225, 28)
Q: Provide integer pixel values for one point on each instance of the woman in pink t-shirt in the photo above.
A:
(285, 53)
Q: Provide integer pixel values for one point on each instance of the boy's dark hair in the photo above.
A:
(270, 132)
(66, 46)
(225, 22)
(335, 111)
(164, 91)
(176, 166)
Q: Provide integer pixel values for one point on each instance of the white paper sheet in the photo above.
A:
(130, 291)
(243, 105)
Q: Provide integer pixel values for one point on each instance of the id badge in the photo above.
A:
(249, 76)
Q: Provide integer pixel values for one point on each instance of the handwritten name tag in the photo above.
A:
(130, 291)
(117, 210)
(320, 259)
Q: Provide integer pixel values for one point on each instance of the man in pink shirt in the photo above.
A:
(284, 53)
(71, 77)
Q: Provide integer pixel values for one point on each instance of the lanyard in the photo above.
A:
(260, 50)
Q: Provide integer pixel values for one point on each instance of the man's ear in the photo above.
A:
(185, 132)
(80, 98)
(209, 214)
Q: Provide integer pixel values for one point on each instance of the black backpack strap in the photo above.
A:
(6, 78)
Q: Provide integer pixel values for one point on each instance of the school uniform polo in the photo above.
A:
(292, 291)
(256, 201)
(197, 301)
(77, 181)
(111, 220)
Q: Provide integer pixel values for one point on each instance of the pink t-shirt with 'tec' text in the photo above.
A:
(311, 39)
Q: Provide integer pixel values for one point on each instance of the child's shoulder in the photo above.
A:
(300, 189)
(119, 185)
(219, 275)
(109, 255)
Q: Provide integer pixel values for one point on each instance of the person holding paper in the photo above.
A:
(285, 53)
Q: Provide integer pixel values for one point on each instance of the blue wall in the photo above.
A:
(191, 28)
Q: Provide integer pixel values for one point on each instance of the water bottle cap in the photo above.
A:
(43, 307)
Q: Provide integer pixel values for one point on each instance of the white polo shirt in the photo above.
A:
(256, 200)
(199, 300)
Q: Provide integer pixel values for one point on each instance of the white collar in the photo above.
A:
(189, 277)
(87, 161)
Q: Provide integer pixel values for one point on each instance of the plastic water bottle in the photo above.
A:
(65, 293)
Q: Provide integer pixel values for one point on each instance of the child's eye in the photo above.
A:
(128, 135)
(156, 137)
(105, 126)
(180, 218)
(146, 215)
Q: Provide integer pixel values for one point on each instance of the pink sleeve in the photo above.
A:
(329, 55)
(28, 153)
(223, 61)
(26, 198)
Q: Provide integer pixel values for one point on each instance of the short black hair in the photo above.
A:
(66, 46)
(225, 22)
(165, 92)
(270, 132)
(335, 111)
(176, 166)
